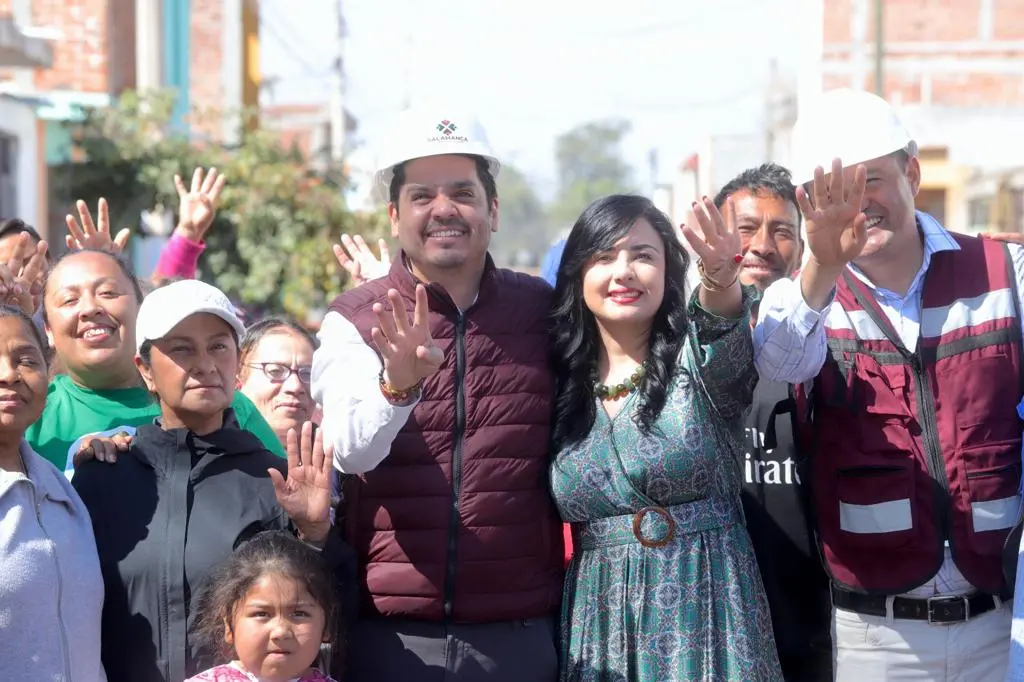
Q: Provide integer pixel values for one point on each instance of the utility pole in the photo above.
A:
(879, 48)
(148, 45)
(770, 111)
(652, 166)
(338, 90)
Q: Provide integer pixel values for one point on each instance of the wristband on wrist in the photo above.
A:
(399, 396)
(710, 284)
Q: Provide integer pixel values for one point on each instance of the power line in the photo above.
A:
(338, 87)
(273, 25)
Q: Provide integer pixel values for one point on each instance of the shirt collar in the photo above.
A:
(935, 239)
(43, 476)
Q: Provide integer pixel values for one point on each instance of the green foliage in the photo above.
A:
(524, 225)
(589, 166)
(270, 245)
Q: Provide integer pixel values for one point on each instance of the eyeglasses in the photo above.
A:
(279, 373)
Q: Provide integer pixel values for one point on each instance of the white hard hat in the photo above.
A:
(851, 125)
(164, 308)
(419, 133)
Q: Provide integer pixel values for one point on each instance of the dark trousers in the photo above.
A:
(395, 650)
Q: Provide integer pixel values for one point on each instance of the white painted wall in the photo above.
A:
(18, 119)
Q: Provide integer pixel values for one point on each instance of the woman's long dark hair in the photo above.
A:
(575, 343)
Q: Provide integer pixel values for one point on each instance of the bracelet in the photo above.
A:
(710, 284)
(396, 396)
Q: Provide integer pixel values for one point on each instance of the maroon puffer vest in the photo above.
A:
(457, 523)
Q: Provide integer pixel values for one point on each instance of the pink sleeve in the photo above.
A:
(179, 257)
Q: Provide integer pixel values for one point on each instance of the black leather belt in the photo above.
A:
(942, 610)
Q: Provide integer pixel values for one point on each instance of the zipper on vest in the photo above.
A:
(930, 438)
(454, 522)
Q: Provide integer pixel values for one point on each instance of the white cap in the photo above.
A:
(418, 133)
(165, 307)
(851, 125)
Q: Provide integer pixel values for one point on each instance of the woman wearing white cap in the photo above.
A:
(191, 486)
(90, 304)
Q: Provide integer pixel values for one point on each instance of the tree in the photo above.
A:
(589, 166)
(270, 246)
(523, 228)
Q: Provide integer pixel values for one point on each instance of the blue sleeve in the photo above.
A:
(552, 259)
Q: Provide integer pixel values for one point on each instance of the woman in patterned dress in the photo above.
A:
(663, 586)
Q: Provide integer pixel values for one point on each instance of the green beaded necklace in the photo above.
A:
(622, 389)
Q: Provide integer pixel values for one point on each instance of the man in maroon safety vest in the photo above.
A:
(905, 342)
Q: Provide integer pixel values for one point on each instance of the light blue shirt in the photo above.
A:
(789, 339)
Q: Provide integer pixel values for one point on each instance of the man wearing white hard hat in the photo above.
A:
(437, 398)
(905, 343)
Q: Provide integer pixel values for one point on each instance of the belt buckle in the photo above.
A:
(948, 600)
(638, 520)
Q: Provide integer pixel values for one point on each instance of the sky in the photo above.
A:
(679, 70)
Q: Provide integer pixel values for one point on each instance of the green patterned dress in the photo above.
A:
(694, 608)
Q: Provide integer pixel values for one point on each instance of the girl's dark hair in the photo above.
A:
(255, 333)
(121, 263)
(575, 343)
(267, 553)
(44, 347)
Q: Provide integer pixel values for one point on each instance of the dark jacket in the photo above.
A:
(457, 523)
(775, 503)
(165, 515)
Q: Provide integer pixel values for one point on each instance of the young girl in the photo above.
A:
(269, 607)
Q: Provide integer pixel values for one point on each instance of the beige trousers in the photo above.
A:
(879, 649)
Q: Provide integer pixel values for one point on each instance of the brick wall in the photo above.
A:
(938, 52)
(80, 57)
(96, 51)
(206, 64)
(1009, 19)
(122, 45)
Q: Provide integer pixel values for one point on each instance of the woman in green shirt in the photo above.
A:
(90, 303)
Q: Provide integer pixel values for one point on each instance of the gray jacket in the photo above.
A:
(51, 589)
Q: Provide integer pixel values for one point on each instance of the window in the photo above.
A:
(8, 174)
(978, 213)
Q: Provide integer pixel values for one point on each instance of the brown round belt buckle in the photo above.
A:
(638, 520)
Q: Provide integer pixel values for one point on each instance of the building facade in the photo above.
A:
(207, 50)
(20, 151)
(955, 70)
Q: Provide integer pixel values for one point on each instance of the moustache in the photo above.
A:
(758, 263)
(446, 224)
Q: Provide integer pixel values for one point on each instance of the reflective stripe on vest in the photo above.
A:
(895, 515)
(914, 445)
(935, 322)
(995, 514)
(883, 517)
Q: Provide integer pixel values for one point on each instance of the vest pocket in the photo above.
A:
(875, 508)
(995, 503)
